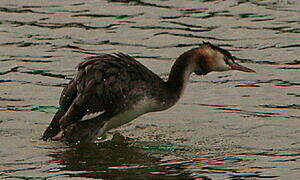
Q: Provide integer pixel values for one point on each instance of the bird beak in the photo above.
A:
(236, 66)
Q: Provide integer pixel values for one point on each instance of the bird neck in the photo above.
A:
(180, 73)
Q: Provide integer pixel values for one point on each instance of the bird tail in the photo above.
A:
(54, 126)
(83, 131)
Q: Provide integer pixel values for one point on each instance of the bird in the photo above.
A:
(116, 89)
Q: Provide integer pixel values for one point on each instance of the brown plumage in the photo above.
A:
(106, 83)
(121, 89)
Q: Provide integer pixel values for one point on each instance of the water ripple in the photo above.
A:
(277, 82)
(24, 10)
(169, 28)
(27, 107)
(250, 113)
(108, 15)
(45, 73)
(140, 3)
(194, 36)
(289, 106)
(10, 99)
(14, 69)
(56, 25)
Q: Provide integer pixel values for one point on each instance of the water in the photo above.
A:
(229, 125)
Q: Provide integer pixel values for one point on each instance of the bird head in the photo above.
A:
(210, 58)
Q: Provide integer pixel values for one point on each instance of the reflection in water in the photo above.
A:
(109, 160)
(113, 161)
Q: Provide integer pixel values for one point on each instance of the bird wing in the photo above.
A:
(102, 84)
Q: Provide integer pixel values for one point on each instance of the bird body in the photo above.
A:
(118, 88)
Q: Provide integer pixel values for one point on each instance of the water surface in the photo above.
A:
(229, 125)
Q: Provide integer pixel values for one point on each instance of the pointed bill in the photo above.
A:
(236, 66)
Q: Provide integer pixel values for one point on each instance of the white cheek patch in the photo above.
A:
(219, 63)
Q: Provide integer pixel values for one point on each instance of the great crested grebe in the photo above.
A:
(120, 89)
